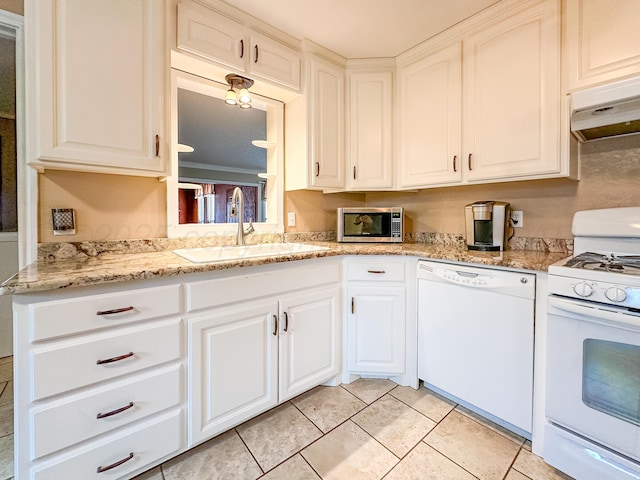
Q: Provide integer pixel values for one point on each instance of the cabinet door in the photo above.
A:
(274, 61)
(100, 85)
(208, 34)
(369, 130)
(309, 340)
(376, 329)
(602, 41)
(326, 91)
(511, 107)
(232, 367)
(430, 96)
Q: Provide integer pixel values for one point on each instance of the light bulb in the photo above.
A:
(244, 96)
(245, 105)
(230, 97)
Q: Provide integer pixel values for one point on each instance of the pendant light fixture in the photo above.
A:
(238, 93)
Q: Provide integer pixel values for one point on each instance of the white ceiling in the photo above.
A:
(363, 28)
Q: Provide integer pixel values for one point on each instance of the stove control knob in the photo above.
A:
(616, 294)
(583, 289)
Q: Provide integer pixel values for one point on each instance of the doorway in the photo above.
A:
(11, 169)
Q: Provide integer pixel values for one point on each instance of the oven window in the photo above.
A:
(611, 378)
(367, 224)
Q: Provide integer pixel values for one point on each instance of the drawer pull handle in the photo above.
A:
(286, 321)
(114, 465)
(114, 311)
(115, 359)
(376, 271)
(157, 145)
(114, 412)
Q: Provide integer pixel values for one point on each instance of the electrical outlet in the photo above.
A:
(517, 218)
(291, 219)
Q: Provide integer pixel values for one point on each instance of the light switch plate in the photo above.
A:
(291, 219)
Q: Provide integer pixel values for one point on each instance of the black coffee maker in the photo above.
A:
(487, 223)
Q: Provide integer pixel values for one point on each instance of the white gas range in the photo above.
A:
(593, 350)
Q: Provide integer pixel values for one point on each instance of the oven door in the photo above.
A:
(593, 372)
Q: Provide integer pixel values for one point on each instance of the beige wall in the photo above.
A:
(108, 207)
(15, 6)
(119, 207)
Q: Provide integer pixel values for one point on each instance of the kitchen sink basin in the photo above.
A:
(238, 252)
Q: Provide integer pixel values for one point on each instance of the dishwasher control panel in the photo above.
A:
(500, 281)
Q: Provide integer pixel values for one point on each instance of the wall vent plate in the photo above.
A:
(63, 221)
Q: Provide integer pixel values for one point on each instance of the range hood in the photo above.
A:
(606, 111)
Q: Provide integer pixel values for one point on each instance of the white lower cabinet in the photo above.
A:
(310, 340)
(233, 357)
(99, 381)
(112, 380)
(380, 319)
(246, 357)
(377, 329)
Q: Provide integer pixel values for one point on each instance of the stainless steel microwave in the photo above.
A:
(365, 224)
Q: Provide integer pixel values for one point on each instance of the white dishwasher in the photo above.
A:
(475, 339)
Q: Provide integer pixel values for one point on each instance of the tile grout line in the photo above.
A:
(442, 453)
(235, 429)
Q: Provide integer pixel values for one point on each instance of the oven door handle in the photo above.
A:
(596, 314)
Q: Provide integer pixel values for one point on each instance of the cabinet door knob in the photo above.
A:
(469, 161)
(241, 48)
(114, 311)
(353, 305)
(354, 173)
(116, 464)
(286, 321)
(275, 325)
(114, 359)
(257, 53)
(455, 167)
(317, 169)
(157, 145)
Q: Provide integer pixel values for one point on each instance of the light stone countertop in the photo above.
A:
(108, 267)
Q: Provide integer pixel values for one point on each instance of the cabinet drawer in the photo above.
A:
(376, 271)
(75, 363)
(147, 443)
(84, 314)
(118, 404)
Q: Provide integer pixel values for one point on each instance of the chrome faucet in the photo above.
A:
(237, 210)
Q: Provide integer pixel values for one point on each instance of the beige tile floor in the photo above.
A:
(370, 429)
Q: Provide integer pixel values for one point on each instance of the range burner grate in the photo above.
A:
(624, 264)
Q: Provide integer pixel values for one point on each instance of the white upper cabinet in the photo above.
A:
(511, 109)
(484, 105)
(369, 129)
(98, 76)
(430, 122)
(314, 124)
(601, 41)
(216, 37)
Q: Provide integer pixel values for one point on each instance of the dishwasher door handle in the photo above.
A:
(467, 274)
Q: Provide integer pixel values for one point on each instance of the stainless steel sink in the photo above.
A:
(238, 252)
